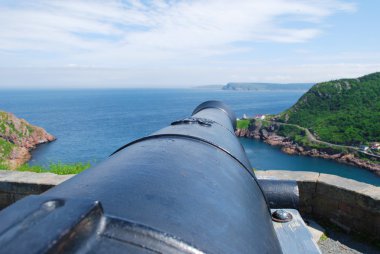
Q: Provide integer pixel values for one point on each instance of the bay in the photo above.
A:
(91, 124)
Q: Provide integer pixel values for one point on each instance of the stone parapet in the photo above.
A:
(15, 185)
(351, 205)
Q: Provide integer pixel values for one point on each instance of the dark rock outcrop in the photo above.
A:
(269, 135)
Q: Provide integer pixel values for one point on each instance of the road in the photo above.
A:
(312, 138)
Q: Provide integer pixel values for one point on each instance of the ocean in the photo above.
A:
(91, 124)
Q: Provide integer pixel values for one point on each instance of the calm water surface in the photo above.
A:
(264, 157)
(91, 124)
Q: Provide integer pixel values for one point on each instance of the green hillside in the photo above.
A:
(345, 111)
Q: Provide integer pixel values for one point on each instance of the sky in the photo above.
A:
(183, 43)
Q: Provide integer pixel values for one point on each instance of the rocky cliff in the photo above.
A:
(17, 139)
(269, 134)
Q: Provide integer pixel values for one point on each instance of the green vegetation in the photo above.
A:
(3, 165)
(345, 111)
(56, 168)
(246, 123)
(9, 132)
(7, 126)
(294, 133)
(243, 124)
(16, 133)
(264, 123)
(17, 137)
(6, 148)
(298, 135)
(323, 237)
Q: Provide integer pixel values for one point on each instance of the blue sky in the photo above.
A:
(55, 44)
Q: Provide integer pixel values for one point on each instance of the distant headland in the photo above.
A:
(267, 86)
(247, 86)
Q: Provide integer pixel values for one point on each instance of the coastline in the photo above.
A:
(270, 136)
(22, 154)
(17, 139)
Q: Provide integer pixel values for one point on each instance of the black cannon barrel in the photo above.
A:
(187, 188)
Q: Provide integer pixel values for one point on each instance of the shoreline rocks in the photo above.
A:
(22, 137)
(269, 136)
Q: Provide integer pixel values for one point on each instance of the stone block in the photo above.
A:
(306, 191)
(5, 199)
(6, 186)
(325, 208)
(18, 196)
(34, 178)
(302, 176)
(346, 208)
(376, 226)
(343, 183)
(346, 228)
(373, 192)
(305, 210)
(5, 173)
(15, 185)
(368, 202)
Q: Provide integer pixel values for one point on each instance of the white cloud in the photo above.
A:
(171, 27)
(157, 41)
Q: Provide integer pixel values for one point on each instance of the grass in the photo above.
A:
(6, 148)
(3, 165)
(299, 136)
(243, 124)
(55, 168)
(5, 123)
(264, 123)
(323, 237)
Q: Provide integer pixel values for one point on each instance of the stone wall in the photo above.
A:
(353, 206)
(15, 185)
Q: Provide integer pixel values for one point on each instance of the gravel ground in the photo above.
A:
(342, 243)
(331, 246)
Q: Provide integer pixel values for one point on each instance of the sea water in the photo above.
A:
(91, 124)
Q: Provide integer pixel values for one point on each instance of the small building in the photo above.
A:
(262, 117)
(363, 148)
(375, 146)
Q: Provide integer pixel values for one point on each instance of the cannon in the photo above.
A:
(187, 188)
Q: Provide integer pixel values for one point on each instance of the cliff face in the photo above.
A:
(18, 138)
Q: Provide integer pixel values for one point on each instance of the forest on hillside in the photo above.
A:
(345, 111)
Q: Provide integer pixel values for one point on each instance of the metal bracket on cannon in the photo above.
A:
(192, 120)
